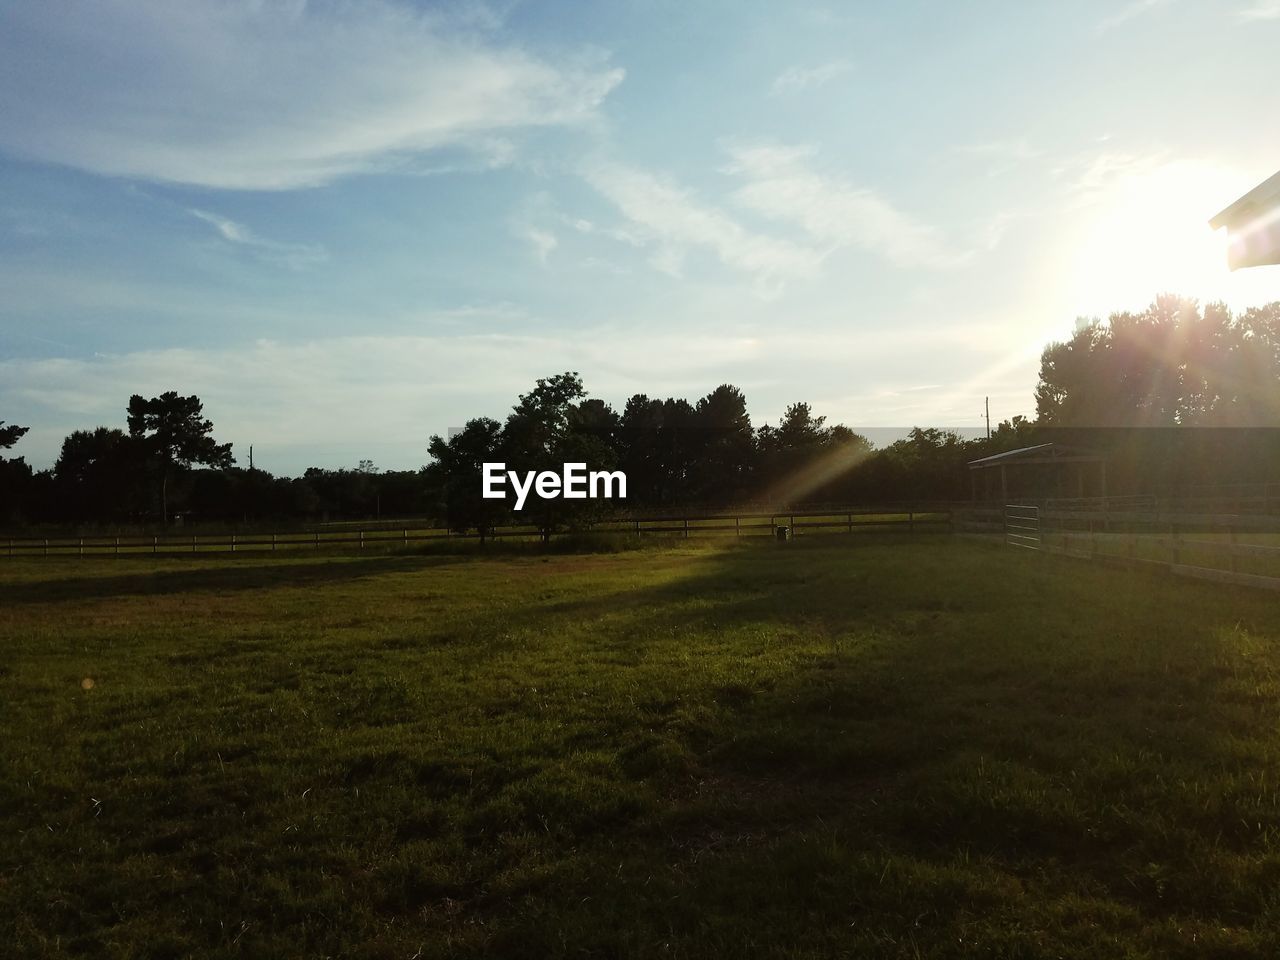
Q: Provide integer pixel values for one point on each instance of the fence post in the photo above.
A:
(637, 529)
(273, 543)
(82, 546)
(737, 526)
(406, 535)
(361, 539)
(686, 528)
(911, 521)
(317, 539)
(849, 521)
(117, 546)
(233, 543)
(155, 545)
(791, 532)
(46, 546)
(193, 543)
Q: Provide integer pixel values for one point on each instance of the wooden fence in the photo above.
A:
(384, 538)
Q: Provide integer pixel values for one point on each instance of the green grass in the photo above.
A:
(1194, 549)
(841, 747)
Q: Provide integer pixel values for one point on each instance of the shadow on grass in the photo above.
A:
(220, 578)
(801, 750)
(1046, 755)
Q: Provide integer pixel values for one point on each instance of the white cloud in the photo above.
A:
(799, 79)
(294, 255)
(1013, 150)
(1129, 12)
(270, 94)
(1091, 176)
(620, 234)
(543, 242)
(780, 185)
(333, 401)
(674, 220)
(777, 183)
(1261, 10)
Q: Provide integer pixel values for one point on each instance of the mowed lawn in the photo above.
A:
(843, 747)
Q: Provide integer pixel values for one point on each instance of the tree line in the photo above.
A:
(1173, 365)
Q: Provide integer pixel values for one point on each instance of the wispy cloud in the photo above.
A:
(1015, 149)
(1261, 10)
(775, 182)
(1130, 12)
(542, 241)
(780, 184)
(673, 220)
(294, 255)
(798, 79)
(1090, 177)
(591, 228)
(272, 94)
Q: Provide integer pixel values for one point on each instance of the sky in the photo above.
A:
(349, 225)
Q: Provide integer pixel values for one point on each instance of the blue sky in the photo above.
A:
(347, 226)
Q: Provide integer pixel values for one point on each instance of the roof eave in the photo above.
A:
(1248, 206)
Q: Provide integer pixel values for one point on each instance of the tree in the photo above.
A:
(928, 464)
(15, 475)
(1173, 364)
(174, 435)
(456, 475)
(802, 458)
(98, 474)
(800, 428)
(725, 446)
(541, 419)
(11, 434)
(551, 425)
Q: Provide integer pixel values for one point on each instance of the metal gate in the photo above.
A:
(1022, 525)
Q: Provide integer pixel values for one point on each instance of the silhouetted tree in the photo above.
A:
(11, 434)
(15, 475)
(455, 476)
(721, 465)
(99, 474)
(174, 435)
(802, 458)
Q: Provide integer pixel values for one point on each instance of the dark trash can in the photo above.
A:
(783, 532)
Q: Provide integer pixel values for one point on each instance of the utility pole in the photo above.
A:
(986, 401)
(251, 448)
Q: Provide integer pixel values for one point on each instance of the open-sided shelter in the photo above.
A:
(1043, 470)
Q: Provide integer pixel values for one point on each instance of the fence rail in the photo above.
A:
(722, 525)
(1234, 548)
(1022, 526)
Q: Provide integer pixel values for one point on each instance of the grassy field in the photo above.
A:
(840, 747)
(1196, 548)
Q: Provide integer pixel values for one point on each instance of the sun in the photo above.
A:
(1149, 234)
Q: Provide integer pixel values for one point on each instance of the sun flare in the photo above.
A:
(1150, 235)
